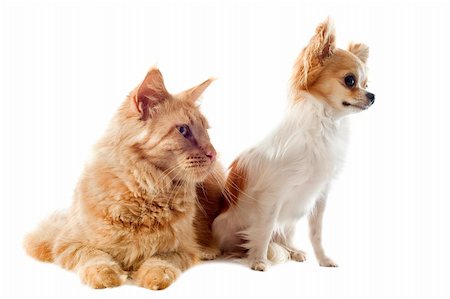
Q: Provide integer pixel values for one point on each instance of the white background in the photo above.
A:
(66, 67)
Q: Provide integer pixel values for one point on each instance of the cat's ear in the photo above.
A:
(150, 93)
(194, 93)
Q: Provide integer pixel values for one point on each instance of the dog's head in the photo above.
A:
(337, 76)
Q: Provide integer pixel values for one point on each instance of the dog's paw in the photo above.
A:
(209, 253)
(156, 275)
(298, 255)
(327, 262)
(100, 276)
(259, 264)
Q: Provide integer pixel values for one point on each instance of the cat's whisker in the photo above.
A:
(226, 194)
(174, 193)
(168, 171)
(200, 206)
(216, 175)
(237, 188)
(164, 175)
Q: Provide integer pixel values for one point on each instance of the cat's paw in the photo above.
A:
(298, 255)
(156, 275)
(209, 253)
(100, 276)
(259, 264)
(327, 262)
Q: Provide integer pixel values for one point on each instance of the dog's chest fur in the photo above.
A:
(297, 161)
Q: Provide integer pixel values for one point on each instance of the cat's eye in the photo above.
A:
(350, 81)
(184, 130)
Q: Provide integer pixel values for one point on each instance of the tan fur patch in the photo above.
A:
(235, 184)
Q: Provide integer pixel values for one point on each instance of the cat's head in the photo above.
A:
(167, 130)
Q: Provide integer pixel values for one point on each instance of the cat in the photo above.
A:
(134, 205)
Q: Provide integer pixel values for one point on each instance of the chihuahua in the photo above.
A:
(287, 176)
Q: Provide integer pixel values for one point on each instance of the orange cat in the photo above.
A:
(134, 206)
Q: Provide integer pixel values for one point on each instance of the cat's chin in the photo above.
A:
(198, 175)
(191, 178)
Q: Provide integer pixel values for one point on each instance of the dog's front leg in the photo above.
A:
(315, 231)
(258, 237)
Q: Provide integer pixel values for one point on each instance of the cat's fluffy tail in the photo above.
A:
(277, 253)
(39, 243)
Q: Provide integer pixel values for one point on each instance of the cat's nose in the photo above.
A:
(211, 154)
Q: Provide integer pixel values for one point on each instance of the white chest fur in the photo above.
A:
(289, 169)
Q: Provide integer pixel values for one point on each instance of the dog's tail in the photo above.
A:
(277, 253)
(39, 243)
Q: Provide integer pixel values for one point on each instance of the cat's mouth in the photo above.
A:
(198, 171)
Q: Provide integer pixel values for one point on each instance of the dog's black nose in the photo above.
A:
(371, 97)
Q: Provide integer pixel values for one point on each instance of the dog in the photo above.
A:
(287, 176)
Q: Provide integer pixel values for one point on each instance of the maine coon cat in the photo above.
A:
(287, 175)
(133, 208)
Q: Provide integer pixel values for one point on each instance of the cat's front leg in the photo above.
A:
(95, 267)
(161, 270)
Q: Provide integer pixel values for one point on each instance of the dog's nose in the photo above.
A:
(371, 97)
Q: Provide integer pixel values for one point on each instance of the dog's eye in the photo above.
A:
(350, 81)
(184, 130)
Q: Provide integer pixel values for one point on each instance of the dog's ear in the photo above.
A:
(360, 50)
(149, 94)
(321, 46)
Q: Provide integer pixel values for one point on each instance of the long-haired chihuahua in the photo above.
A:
(287, 175)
